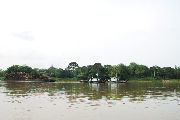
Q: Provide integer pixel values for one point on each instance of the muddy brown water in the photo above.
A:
(78, 101)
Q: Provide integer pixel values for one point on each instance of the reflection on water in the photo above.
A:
(44, 101)
(132, 91)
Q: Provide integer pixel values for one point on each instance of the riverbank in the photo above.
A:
(74, 80)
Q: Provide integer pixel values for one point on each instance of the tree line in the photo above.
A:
(103, 72)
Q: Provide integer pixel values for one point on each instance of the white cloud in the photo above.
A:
(27, 35)
(46, 32)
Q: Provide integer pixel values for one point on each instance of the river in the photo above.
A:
(83, 101)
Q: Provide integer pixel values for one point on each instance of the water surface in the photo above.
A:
(78, 101)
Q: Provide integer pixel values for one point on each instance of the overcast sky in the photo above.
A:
(41, 33)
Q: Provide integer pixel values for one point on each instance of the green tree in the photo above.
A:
(177, 72)
(18, 68)
(132, 69)
(168, 73)
(156, 72)
(67, 74)
(72, 66)
(2, 74)
(141, 71)
(109, 71)
(82, 73)
(97, 71)
(54, 72)
(138, 71)
(122, 72)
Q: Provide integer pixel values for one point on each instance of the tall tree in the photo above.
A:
(156, 72)
(2, 73)
(132, 69)
(18, 68)
(72, 66)
(54, 72)
(122, 72)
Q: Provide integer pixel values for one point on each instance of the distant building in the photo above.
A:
(93, 79)
(114, 79)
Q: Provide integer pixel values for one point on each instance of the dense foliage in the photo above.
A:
(103, 72)
(2, 74)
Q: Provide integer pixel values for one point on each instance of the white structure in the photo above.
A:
(113, 79)
(94, 79)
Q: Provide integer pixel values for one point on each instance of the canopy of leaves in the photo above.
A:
(121, 71)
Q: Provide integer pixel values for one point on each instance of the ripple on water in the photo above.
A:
(66, 100)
